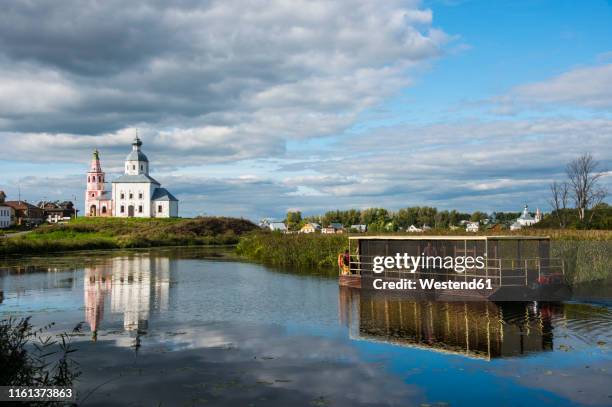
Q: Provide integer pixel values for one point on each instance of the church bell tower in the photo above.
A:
(95, 186)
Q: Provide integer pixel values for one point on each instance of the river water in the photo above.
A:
(176, 327)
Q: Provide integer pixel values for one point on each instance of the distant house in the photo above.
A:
(333, 228)
(359, 228)
(472, 226)
(26, 213)
(7, 214)
(310, 228)
(425, 228)
(55, 212)
(278, 227)
(413, 229)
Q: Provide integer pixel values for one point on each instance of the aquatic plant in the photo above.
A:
(29, 358)
(311, 250)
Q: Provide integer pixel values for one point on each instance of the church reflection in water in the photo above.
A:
(134, 286)
(484, 330)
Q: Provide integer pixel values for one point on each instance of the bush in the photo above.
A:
(30, 359)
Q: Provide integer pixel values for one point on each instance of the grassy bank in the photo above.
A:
(114, 233)
(587, 254)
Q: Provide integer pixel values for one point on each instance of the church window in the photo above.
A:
(131, 195)
(104, 209)
(139, 208)
(140, 195)
(141, 167)
(92, 194)
(159, 208)
(133, 167)
(122, 209)
(122, 197)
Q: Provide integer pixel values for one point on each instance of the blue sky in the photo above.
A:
(253, 111)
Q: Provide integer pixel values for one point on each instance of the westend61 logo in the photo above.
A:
(413, 263)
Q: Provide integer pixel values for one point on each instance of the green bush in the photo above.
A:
(30, 359)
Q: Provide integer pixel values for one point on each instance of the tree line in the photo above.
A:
(577, 202)
(381, 219)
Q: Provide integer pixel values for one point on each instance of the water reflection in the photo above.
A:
(233, 333)
(134, 288)
(475, 329)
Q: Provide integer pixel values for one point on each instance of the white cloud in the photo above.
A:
(584, 87)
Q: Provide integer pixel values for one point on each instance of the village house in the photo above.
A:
(359, 228)
(277, 227)
(273, 225)
(55, 212)
(333, 227)
(472, 226)
(310, 228)
(413, 229)
(26, 213)
(7, 213)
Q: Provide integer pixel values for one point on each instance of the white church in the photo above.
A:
(134, 194)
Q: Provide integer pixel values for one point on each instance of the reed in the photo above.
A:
(301, 250)
(585, 261)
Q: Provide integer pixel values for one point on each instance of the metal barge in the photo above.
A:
(516, 268)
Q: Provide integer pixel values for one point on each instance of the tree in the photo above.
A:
(558, 201)
(293, 219)
(478, 216)
(583, 177)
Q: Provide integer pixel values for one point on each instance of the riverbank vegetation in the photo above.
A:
(30, 358)
(113, 233)
(298, 250)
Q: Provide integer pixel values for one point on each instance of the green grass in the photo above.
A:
(114, 233)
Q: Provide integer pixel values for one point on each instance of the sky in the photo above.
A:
(252, 109)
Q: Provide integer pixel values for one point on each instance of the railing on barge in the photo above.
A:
(501, 272)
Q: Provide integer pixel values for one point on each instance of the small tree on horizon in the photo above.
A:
(583, 174)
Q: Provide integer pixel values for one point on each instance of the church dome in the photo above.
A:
(136, 154)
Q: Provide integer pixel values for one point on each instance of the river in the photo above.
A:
(193, 326)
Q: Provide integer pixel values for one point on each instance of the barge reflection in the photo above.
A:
(484, 330)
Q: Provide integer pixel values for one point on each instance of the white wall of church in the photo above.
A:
(132, 199)
(136, 167)
(174, 209)
(165, 209)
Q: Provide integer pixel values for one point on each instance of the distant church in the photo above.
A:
(134, 194)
